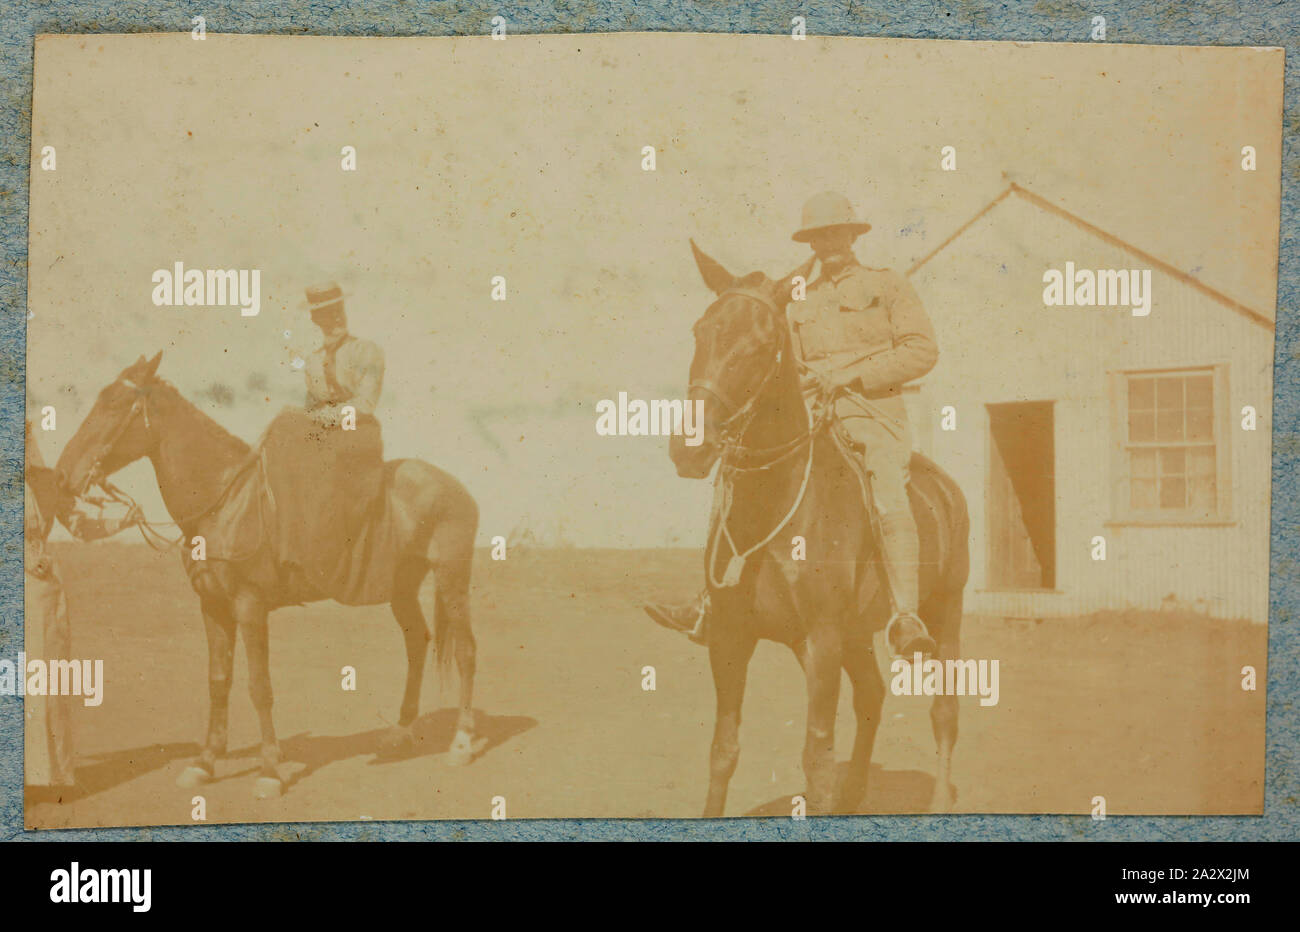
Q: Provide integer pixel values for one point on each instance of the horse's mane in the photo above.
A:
(205, 423)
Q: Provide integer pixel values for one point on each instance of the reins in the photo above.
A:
(724, 497)
(155, 538)
(732, 448)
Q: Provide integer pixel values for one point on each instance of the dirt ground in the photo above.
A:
(1144, 709)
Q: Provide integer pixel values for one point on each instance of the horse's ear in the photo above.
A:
(782, 290)
(715, 276)
(130, 371)
(151, 368)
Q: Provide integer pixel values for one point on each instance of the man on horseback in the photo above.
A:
(859, 335)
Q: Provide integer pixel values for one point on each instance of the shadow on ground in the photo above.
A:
(889, 792)
(431, 735)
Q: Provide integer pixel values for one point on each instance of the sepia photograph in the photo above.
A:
(646, 426)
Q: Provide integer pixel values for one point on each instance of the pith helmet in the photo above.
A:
(828, 209)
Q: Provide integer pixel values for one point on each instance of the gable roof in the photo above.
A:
(1191, 281)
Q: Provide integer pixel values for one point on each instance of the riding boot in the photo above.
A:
(690, 619)
(905, 633)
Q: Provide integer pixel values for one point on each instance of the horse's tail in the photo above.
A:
(452, 633)
(444, 640)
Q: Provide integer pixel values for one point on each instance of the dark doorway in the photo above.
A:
(1022, 496)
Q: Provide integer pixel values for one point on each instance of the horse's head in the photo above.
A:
(739, 344)
(117, 430)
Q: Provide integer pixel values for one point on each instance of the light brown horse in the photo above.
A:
(782, 475)
(196, 462)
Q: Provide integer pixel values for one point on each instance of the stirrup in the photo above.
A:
(664, 616)
(906, 643)
(699, 634)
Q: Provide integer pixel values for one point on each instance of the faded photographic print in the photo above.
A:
(646, 426)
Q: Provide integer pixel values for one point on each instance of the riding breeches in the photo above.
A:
(886, 443)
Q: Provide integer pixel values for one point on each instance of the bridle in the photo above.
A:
(740, 415)
(730, 433)
(95, 476)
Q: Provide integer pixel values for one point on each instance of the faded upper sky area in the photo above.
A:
(522, 158)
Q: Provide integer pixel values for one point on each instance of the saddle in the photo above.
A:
(851, 452)
(922, 472)
(326, 518)
(925, 492)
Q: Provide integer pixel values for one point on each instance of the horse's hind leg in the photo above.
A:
(943, 713)
(251, 615)
(729, 653)
(220, 627)
(452, 611)
(415, 634)
(868, 697)
(821, 659)
(453, 550)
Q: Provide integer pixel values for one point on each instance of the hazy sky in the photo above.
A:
(522, 158)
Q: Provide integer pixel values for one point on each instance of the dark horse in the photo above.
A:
(196, 462)
(782, 475)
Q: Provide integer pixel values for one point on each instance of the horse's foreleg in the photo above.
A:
(943, 713)
(220, 628)
(251, 615)
(868, 696)
(821, 659)
(729, 654)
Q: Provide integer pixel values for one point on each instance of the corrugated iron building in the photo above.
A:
(1074, 423)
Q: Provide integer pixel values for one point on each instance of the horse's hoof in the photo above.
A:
(461, 751)
(907, 636)
(943, 801)
(267, 788)
(193, 776)
(850, 802)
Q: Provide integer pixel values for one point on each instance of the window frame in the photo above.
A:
(1122, 511)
